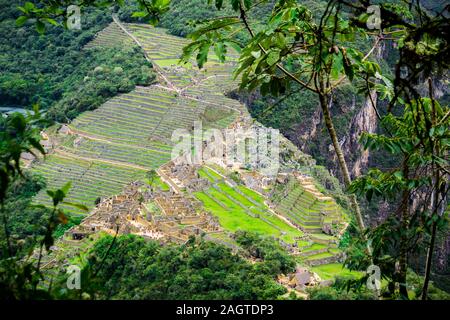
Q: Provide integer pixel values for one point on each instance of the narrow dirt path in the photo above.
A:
(155, 66)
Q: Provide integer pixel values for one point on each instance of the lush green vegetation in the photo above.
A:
(290, 48)
(24, 220)
(239, 208)
(139, 269)
(58, 74)
(101, 74)
(261, 248)
(19, 274)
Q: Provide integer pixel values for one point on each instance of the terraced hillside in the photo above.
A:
(111, 36)
(317, 215)
(240, 208)
(164, 50)
(102, 150)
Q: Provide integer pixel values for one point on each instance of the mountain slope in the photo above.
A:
(101, 151)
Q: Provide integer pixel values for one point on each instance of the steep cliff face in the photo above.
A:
(301, 134)
(364, 121)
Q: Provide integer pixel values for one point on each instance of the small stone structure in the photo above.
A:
(185, 176)
(301, 279)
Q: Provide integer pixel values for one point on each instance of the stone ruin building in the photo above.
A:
(301, 279)
(185, 176)
(180, 216)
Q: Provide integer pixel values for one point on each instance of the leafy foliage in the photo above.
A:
(276, 259)
(138, 269)
(19, 273)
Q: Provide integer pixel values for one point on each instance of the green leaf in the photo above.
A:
(398, 175)
(139, 14)
(273, 57)
(29, 6)
(77, 205)
(50, 193)
(234, 45)
(20, 21)
(220, 51)
(338, 65)
(36, 145)
(51, 21)
(65, 189)
(202, 56)
(40, 26)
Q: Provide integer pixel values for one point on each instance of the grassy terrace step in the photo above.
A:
(296, 219)
(134, 115)
(138, 114)
(237, 216)
(233, 193)
(249, 208)
(320, 256)
(149, 101)
(330, 271)
(150, 160)
(122, 126)
(94, 147)
(135, 112)
(111, 36)
(209, 174)
(89, 179)
(315, 247)
(322, 238)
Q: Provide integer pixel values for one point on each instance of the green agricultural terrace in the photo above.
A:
(239, 208)
(104, 149)
(312, 213)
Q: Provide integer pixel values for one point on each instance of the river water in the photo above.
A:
(8, 110)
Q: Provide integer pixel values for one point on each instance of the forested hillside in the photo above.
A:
(52, 70)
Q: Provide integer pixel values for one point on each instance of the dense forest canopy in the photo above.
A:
(59, 75)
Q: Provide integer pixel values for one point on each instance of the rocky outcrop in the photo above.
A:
(364, 121)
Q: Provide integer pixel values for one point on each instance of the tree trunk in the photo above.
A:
(403, 256)
(434, 199)
(341, 159)
(428, 262)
